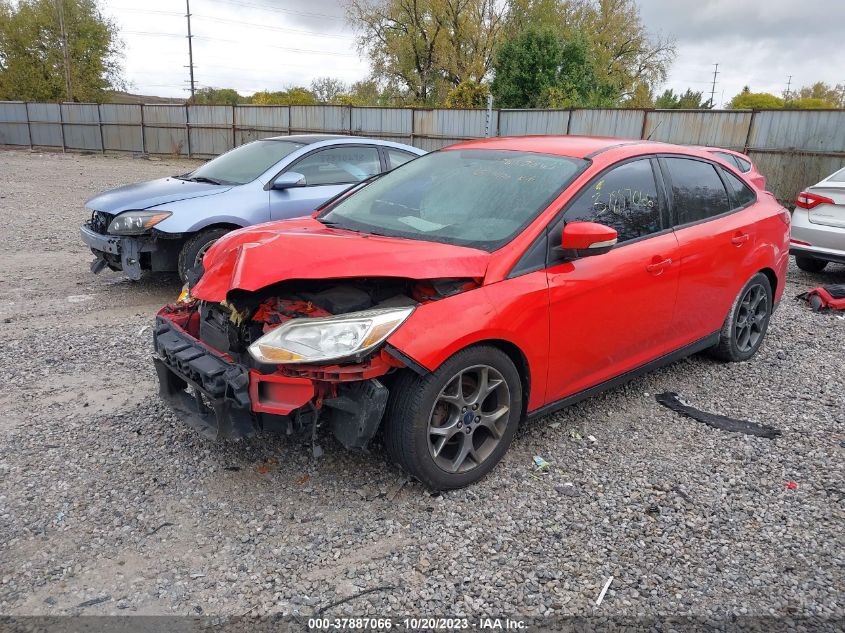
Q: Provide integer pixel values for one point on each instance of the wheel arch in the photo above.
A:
(520, 361)
(773, 279)
(513, 352)
(216, 224)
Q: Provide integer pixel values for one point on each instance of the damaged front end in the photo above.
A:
(131, 254)
(290, 357)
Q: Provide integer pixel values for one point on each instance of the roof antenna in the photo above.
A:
(659, 123)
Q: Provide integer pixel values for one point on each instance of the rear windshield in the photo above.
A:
(838, 176)
(245, 163)
(476, 198)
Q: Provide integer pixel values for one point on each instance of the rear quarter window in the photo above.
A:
(697, 191)
(741, 194)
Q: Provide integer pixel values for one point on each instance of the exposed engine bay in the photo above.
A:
(234, 395)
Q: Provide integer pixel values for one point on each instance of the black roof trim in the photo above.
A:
(614, 146)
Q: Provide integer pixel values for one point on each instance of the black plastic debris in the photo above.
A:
(670, 400)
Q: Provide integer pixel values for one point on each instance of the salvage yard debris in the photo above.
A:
(825, 297)
(670, 400)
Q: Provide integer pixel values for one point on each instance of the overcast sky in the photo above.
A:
(271, 44)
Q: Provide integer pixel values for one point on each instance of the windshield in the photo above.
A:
(477, 198)
(245, 163)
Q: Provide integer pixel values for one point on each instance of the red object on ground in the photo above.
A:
(825, 298)
(791, 485)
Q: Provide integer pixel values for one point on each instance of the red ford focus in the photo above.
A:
(471, 288)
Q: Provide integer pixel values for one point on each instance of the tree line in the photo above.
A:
(426, 53)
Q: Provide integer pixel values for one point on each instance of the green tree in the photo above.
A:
(217, 96)
(536, 68)
(689, 100)
(624, 53)
(747, 100)
(31, 52)
(328, 89)
(427, 47)
(810, 103)
(468, 94)
(296, 95)
(642, 96)
(817, 95)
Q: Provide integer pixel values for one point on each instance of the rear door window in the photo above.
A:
(741, 194)
(625, 198)
(339, 165)
(696, 189)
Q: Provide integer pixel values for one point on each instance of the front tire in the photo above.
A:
(451, 427)
(810, 264)
(194, 249)
(747, 322)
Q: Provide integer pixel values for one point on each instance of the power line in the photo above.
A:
(153, 34)
(260, 7)
(272, 28)
(281, 48)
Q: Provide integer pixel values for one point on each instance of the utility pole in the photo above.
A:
(190, 46)
(60, 8)
(713, 89)
(788, 86)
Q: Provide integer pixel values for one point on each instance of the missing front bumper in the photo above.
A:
(217, 397)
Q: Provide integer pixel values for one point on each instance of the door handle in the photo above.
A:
(739, 239)
(657, 267)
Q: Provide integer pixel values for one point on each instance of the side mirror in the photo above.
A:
(289, 180)
(583, 239)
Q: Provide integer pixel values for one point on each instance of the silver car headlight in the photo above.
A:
(328, 338)
(136, 222)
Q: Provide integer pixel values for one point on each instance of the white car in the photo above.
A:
(818, 224)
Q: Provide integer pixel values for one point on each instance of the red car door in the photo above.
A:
(715, 238)
(611, 313)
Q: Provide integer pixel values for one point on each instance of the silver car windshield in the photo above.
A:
(245, 163)
(476, 198)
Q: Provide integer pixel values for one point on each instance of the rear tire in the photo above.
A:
(194, 249)
(747, 322)
(450, 428)
(810, 264)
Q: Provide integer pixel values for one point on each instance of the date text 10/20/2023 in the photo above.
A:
(417, 624)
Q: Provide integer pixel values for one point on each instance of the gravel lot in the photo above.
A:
(106, 496)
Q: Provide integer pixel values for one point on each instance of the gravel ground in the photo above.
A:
(106, 497)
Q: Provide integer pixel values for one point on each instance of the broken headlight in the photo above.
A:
(311, 340)
(136, 222)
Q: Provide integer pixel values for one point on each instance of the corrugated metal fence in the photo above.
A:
(792, 148)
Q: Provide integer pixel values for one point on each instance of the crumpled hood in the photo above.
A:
(253, 258)
(144, 195)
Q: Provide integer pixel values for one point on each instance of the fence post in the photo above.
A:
(100, 123)
(143, 133)
(413, 123)
(748, 134)
(188, 128)
(645, 122)
(62, 126)
(28, 124)
(234, 128)
(569, 120)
